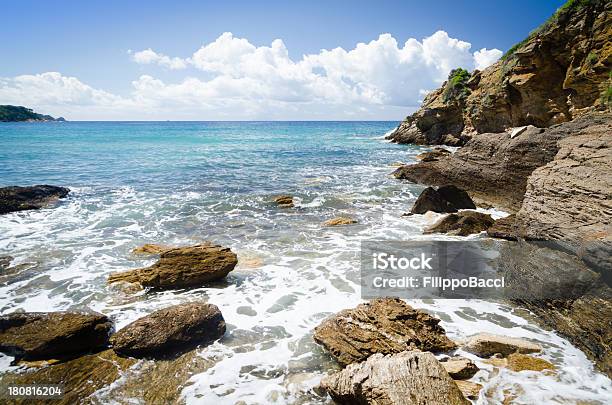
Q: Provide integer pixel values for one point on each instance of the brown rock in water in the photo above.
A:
(17, 198)
(81, 377)
(469, 389)
(190, 266)
(433, 155)
(521, 362)
(48, 335)
(462, 223)
(459, 368)
(339, 221)
(444, 199)
(150, 249)
(553, 76)
(284, 201)
(170, 330)
(406, 378)
(486, 345)
(383, 325)
(505, 228)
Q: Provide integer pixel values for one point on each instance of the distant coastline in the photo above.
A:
(13, 113)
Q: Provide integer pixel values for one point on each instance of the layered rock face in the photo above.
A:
(17, 198)
(495, 167)
(559, 70)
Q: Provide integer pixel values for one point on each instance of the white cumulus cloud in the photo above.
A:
(231, 78)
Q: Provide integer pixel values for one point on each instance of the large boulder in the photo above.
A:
(170, 330)
(383, 325)
(17, 198)
(462, 223)
(190, 266)
(49, 335)
(443, 199)
(487, 344)
(406, 378)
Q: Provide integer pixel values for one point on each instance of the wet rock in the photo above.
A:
(470, 390)
(486, 345)
(444, 199)
(151, 249)
(462, 224)
(505, 228)
(459, 368)
(284, 201)
(339, 221)
(521, 362)
(433, 155)
(47, 335)
(17, 198)
(190, 266)
(170, 330)
(5, 262)
(384, 325)
(494, 168)
(406, 378)
(81, 377)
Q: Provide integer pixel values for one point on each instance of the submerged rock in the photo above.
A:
(170, 330)
(521, 362)
(339, 221)
(462, 224)
(150, 249)
(406, 378)
(486, 345)
(383, 325)
(284, 201)
(442, 200)
(17, 198)
(459, 368)
(48, 335)
(190, 266)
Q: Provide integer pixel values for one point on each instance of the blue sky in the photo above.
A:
(90, 43)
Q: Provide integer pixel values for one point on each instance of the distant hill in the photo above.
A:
(13, 113)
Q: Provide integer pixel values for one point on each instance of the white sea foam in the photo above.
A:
(303, 273)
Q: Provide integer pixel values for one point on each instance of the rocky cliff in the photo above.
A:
(558, 72)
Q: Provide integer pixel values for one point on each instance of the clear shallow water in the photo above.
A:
(182, 183)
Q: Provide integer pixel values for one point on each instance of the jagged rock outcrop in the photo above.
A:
(495, 167)
(383, 325)
(406, 378)
(15, 198)
(170, 330)
(49, 335)
(462, 223)
(560, 70)
(443, 199)
(434, 154)
(181, 267)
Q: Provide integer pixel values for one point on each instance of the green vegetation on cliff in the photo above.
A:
(456, 85)
(13, 113)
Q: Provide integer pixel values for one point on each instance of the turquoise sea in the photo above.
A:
(180, 183)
